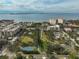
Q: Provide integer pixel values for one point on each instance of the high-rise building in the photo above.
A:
(52, 21)
(60, 20)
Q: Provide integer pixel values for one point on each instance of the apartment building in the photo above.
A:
(60, 21)
(52, 21)
(9, 31)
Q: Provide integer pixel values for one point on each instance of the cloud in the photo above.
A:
(40, 5)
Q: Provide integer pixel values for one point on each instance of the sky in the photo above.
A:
(45, 6)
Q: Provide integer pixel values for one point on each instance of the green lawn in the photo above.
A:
(26, 39)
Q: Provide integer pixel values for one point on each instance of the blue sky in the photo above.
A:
(48, 6)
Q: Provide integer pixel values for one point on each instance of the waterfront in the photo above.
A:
(39, 17)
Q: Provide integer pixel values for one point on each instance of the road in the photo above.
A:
(73, 40)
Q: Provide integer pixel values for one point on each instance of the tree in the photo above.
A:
(19, 56)
(30, 57)
(52, 56)
(3, 57)
(73, 56)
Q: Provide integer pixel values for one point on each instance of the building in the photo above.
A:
(67, 29)
(41, 56)
(56, 21)
(57, 35)
(52, 21)
(54, 28)
(60, 21)
(62, 56)
(9, 31)
(6, 22)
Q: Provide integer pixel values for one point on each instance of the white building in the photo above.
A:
(56, 21)
(44, 57)
(52, 21)
(54, 27)
(68, 29)
(60, 21)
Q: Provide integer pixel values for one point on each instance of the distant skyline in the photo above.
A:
(36, 6)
